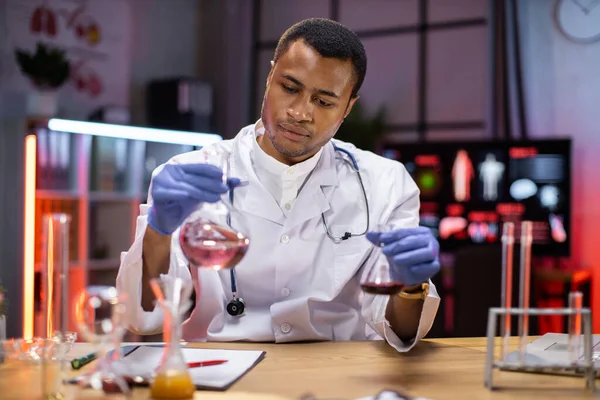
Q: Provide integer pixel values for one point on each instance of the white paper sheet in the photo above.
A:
(144, 360)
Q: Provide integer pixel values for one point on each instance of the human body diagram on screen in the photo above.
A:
(462, 174)
(490, 173)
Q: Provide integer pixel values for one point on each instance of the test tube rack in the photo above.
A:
(575, 364)
(582, 365)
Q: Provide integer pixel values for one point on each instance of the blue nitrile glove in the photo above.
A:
(413, 253)
(178, 188)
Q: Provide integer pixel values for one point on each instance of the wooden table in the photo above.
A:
(440, 369)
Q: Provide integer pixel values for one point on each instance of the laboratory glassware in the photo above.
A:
(216, 235)
(172, 378)
(377, 279)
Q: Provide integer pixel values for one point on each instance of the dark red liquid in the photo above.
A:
(209, 245)
(387, 288)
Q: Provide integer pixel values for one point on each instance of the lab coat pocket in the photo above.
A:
(348, 259)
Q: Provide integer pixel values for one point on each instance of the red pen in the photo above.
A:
(205, 363)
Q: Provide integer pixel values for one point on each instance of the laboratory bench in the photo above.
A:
(438, 369)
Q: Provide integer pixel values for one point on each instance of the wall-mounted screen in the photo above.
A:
(469, 189)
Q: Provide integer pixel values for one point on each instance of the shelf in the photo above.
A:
(44, 194)
(69, 205)
(112, 197)
(99, 181)
(110, 229)
(72, 265)
(103, 265)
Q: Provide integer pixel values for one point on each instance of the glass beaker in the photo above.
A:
(172, 379)
(215, 235)
(100, 316)
(52, 356)
(377, 279)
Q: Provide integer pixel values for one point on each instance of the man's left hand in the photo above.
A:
(413, 253)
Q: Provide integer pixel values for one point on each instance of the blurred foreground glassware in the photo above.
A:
(525, 275)
(2, 335)
(55, 278)
(377, 279)
(172, 379)
(100, 316)
(38, 363)
(508, 240)
(53, 368)
(215, 235)
(53, 325)
(575, 342)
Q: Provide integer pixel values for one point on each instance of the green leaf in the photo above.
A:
(48, 67)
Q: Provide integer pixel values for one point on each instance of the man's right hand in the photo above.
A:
(178, 188)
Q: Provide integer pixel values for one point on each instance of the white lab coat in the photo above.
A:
(296, 282)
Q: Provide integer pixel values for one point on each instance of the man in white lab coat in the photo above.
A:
(300, 279)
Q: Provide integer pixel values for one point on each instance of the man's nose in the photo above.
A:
(301, 109)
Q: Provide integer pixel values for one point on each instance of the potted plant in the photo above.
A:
(362, 130)
(47, 68)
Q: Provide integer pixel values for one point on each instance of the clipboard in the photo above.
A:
(141, 361)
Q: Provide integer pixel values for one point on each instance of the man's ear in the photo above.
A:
(270, 73)
(350, 105)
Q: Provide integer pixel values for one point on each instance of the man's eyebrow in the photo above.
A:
(321, 91)
(291, 78)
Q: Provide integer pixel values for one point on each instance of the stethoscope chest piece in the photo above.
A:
(236, 307)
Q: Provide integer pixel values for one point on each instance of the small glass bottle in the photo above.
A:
(172, 379)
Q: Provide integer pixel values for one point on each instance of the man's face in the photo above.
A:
(306, 99)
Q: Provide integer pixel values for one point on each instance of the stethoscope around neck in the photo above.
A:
(237, 306)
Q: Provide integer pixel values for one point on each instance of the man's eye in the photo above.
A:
(324, 103)
(288, 88)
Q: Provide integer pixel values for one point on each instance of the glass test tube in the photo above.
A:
(508, 239)
(575, 304)
(525, 271)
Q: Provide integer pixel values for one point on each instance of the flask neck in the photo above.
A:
(172, 331)
(172, 359)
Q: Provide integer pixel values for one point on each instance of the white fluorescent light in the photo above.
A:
(133, 132)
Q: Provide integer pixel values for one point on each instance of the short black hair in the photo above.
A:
(330, 39)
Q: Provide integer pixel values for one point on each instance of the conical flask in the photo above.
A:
(172, 379)
(377, 279)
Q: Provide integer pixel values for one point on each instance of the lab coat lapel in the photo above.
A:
(252, 197)
(258, 201)
(314, 198)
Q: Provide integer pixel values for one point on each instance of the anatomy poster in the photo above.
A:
(491, 171)
(95, 35)
(462, 175)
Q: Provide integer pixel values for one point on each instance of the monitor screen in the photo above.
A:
(469, 189)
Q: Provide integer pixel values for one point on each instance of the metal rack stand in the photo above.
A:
(581, 365)
(574, 362)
